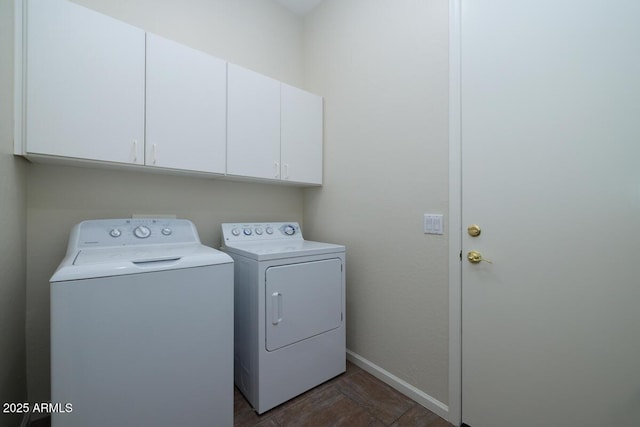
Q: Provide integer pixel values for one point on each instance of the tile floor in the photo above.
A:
(353, 399)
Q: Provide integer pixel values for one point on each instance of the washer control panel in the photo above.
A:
(135, 231)
(263, 231)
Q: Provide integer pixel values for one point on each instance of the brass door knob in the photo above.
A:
(475, 257)
(474, 230)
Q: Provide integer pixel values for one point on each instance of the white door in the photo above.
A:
(301, 135)
(253, 124)
(551, 173)
(302, 300)
(186, 108)
(84, 84)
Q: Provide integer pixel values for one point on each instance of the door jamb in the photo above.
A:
(455, 215)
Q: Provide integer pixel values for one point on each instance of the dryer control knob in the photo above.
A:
(235, 232)
(115, 233)
(259, 231)
(289, 230)
(269, 230)
(247, 232)
(141, 232)
(167, 231)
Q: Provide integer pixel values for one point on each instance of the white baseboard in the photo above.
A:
(432, 404)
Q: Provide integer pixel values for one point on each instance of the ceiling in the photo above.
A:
(300, 7)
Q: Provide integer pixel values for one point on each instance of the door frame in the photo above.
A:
(455, 214)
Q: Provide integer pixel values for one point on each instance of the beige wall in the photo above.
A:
(13, 385)
(382, 67)
(255, 34)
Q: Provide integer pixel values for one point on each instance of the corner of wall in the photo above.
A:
(13, 385)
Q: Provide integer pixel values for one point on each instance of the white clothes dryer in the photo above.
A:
(289, 311)
(141, 327)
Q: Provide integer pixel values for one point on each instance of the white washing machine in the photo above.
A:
(289, 311)
(141, 327)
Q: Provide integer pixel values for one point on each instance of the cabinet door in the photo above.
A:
(253, 120)
(186, 107)
(84, 84)
(301, 141)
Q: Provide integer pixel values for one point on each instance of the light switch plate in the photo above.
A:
(433, 224)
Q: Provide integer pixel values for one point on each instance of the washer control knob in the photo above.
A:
(259, 231)
(289, 230)
(142, 232)
(235, 232)
(167, 231)
(247, 231)
(115, 232)
(269, 230)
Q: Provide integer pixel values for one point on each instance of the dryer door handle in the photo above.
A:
(276, 308)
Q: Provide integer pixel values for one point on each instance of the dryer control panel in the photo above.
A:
(263, 231)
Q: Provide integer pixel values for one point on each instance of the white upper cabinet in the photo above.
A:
(274, 130)
(186, 107)
(92, 88)
(301, 139)
(84, 84)
(253, 124)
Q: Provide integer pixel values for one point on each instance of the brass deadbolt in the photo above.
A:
(474, 230)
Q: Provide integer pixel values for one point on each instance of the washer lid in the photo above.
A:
(118, 261)
(264, 251)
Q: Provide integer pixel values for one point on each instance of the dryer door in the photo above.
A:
(302, 300)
